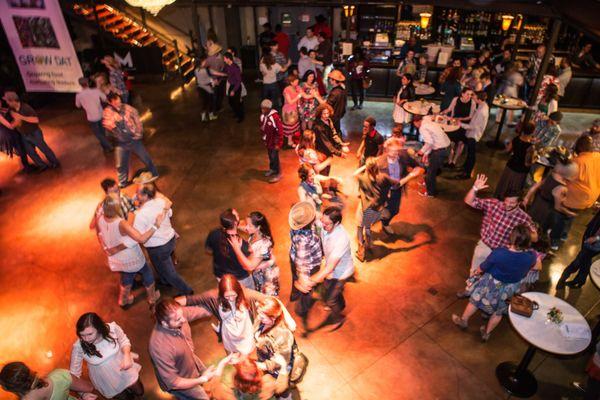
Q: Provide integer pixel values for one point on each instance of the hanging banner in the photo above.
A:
(40, 41)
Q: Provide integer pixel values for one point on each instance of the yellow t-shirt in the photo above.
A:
(584, 190)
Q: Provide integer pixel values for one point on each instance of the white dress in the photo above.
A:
(400, 116)
(237, 330)
(105, 373)
(129, 260)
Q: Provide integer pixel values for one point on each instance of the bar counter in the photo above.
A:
(582, 92)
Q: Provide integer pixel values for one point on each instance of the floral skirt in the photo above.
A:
(490, 295)
(266, 280)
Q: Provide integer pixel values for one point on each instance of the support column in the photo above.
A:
(543, 67)
(196, 24)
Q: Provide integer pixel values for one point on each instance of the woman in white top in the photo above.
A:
(107, 351)
(121, 241)
(269, 70)
(235, 308)
(261, 262)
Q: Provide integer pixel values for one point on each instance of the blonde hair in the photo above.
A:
(111, 206)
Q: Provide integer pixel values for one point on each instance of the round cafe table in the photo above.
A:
(544, 335)
(420, 107)
(595, 278)
(504, 103)
(443, 122)
(423, 89)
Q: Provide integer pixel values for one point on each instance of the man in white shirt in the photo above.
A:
(339, 265)
(91, 99)
(434, 151)
(305, 63)
(473, 132)
(309, 41)
(161, 245)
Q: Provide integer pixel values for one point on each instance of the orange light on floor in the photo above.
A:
(68, 216)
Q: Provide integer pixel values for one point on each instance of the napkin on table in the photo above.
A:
(575, 331)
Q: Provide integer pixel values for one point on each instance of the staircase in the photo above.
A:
(127, 29)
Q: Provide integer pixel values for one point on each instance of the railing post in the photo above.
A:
(178, 58)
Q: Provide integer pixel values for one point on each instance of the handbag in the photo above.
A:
(299, 364)
(521, 305)
(367, 82)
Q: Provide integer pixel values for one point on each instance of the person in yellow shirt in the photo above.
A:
(584, 190)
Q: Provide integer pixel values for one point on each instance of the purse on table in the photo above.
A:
(522, 305)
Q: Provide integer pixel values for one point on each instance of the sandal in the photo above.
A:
(458, 321)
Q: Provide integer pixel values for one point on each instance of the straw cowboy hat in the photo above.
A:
(145, 177)
(213, 49)
(302, 214)
(337, 75)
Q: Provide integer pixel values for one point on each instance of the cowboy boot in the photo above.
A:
(152, 294)
(125, 296)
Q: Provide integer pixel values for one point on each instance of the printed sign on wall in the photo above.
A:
(41, 44)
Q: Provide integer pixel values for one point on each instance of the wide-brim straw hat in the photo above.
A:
(337, 75)
(302, 214)
(213, 49)
(145, 177)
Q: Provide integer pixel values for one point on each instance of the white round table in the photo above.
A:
(421, 107)
(505, 103)
(595, 273)
(542, 334)
(423, 89)
(443, 122)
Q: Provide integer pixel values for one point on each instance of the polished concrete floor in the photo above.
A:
(398, 343)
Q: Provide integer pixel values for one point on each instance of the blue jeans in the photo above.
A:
(392, 205)
(436, 161)
(127, 278)
(36, 139)
(163, 263)
(272, 92)
(274, 161)
(122, 153)
(98, 130)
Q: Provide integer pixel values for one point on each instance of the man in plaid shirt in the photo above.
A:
(123, 123)
(306, 254)
(499, 219)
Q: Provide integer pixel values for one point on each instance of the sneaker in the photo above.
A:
(554, 247)
(458, 321)
(275, 178)
(212, 117)
(269, 173)
(485, 335)
(204, 117)
(360, 106)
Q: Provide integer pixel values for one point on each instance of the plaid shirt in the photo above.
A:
(306, 252)
(498, 223)
(545, 133)
(123, 124)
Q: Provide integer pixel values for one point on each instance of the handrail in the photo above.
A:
(119, 7)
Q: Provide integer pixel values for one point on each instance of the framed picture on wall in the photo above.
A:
(286, 18)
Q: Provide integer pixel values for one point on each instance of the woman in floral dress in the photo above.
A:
(261, 262)
(308, 103)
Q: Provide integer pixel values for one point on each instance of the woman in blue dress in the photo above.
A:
(501, 276)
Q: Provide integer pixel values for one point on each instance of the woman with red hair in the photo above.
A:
(236, 309)
(249, 382)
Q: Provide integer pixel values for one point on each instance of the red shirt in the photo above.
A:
(283, 42)
(323, 27)
(271, 128)
(498, 223)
